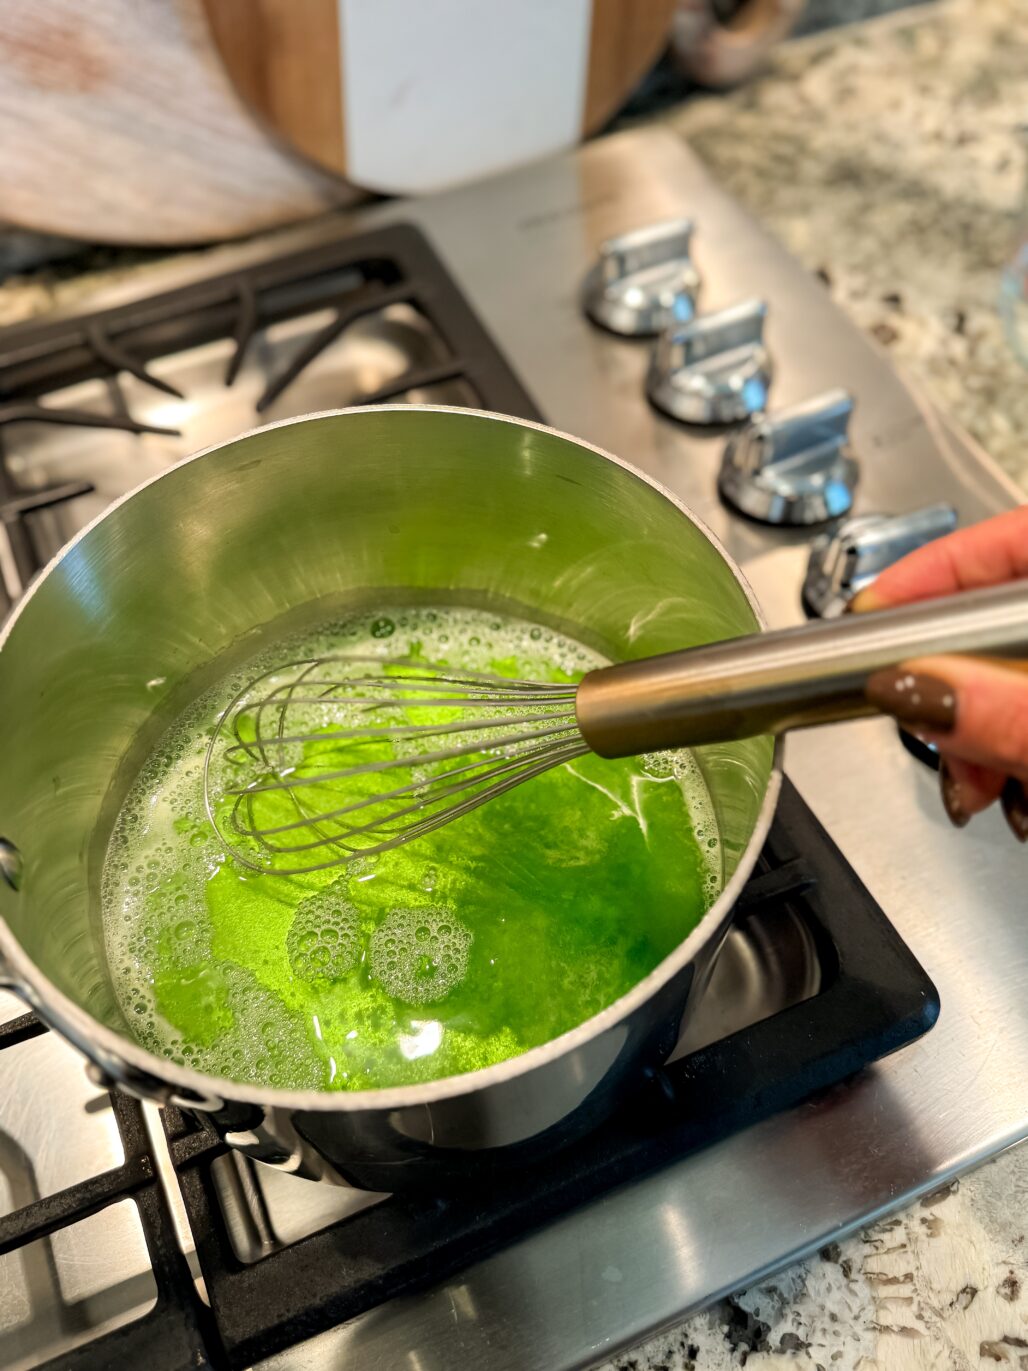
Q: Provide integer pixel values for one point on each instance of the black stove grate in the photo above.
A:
(178, 1331)
(354, 276)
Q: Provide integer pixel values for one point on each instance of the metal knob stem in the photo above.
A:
(643, 280)
(793, 467)
(771, 682)
(849, 557)
(714, 369)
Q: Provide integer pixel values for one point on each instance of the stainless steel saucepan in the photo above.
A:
(306, 517)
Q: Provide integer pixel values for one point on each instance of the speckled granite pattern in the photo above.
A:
(886, 157)
(823, 14)
(942, 1286)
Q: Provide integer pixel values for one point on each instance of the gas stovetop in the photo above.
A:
(812, 984)
(726, 1166)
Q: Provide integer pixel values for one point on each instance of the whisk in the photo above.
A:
(322, 761)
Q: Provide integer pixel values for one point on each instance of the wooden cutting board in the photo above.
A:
(405, 96)
(119, 124)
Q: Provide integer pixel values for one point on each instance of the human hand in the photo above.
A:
(975, 711)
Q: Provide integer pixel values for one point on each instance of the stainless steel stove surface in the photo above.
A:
(605, 1274)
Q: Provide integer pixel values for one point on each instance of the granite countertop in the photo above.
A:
(886, 157)
(942, 1286)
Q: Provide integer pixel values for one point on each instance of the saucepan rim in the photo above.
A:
(112, 1052)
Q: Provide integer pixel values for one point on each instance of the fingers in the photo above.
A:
(986, 554)
(967, 788)
(976, 713)
(973, 710)
(1014, 802)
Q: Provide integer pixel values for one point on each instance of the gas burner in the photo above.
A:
(714, 369)
(793, 467)
(644, 280)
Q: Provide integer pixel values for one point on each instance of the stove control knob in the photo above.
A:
(848, 558)
(643, 279)
(714, 369)
(793, 467)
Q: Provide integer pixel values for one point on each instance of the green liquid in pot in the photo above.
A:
(468, 946)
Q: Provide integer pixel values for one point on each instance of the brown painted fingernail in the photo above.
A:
(1014, 803)
(914, 698)
(951, 799)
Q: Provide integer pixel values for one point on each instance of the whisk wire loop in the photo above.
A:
(296, 774)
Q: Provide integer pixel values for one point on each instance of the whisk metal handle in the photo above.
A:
(792, 678)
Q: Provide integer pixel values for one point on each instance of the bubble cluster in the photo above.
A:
(420, 955)
(658, 764)
(323, 942)
(163, 853)
(683, 768)
(262, 1043)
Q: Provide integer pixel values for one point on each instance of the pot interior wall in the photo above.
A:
(195, 564)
